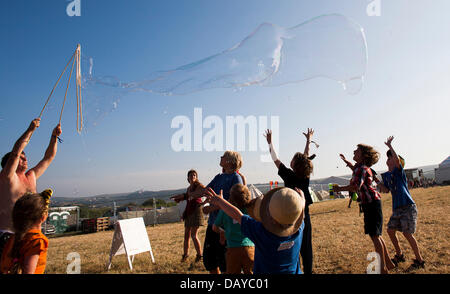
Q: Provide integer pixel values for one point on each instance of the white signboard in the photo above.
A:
(130, 238)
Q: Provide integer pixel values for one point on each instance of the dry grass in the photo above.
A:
(339, 243)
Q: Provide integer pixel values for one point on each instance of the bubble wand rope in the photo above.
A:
(75, 58)
(56, 84)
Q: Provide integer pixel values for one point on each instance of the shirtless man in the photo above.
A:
(15, 180)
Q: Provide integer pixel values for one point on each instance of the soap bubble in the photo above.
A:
(328, 46)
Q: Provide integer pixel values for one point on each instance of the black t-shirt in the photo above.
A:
(292, 181)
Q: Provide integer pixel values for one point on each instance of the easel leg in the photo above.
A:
(151, 255)
(110, 261)
(130, 262)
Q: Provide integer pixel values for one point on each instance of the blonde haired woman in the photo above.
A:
(213, 250)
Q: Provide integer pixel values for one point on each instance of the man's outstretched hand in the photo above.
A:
(34, 124)
(57, 131)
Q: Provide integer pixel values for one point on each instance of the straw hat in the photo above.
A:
(280, 211)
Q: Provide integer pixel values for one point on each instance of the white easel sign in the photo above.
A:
(130, 238)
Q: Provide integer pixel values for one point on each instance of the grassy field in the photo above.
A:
(339, 243)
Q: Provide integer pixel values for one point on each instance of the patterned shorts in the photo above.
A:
(404, 219)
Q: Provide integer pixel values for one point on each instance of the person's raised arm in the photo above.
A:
(394, 154)
(19, 146)
(273, 154)
(348, 163)
(227, 207)
(349, 188)
(308, 136)
(50, 153)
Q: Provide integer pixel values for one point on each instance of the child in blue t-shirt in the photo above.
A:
(276, 228)
(240, 249)
(404, 210)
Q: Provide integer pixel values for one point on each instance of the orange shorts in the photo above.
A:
(240, 259)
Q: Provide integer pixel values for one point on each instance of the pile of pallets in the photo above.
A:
(95, 224)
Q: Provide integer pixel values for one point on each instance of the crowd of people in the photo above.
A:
(273, 232)
(268, 234)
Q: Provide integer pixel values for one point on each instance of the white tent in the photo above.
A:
(332, 180)
(443, 171)
(313, 195)
(255, 192)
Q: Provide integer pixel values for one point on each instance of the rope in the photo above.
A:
(67, 88)
(56, 84)
(75, 58)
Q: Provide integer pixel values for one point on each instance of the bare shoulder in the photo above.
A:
(5, 179)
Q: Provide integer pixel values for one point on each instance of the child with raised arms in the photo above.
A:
(404, 210)
(297, 176)
(275, 227)
(366, 156)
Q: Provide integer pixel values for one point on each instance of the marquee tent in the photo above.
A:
(443, 171)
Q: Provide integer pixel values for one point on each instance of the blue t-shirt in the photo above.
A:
(397, 183)
(223, 182)
(232, 231)
(273, 254)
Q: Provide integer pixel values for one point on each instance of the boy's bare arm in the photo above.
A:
(394, 154)
(226, 206)
(348, 163)
(349, 188)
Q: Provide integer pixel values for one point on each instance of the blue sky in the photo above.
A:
(405, 93)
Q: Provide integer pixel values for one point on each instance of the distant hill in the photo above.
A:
(138, 197)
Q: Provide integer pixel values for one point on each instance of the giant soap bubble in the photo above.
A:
(330, 46)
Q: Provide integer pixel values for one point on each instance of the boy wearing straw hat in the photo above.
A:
(15, 180)
(404, 210)
(275, 227)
